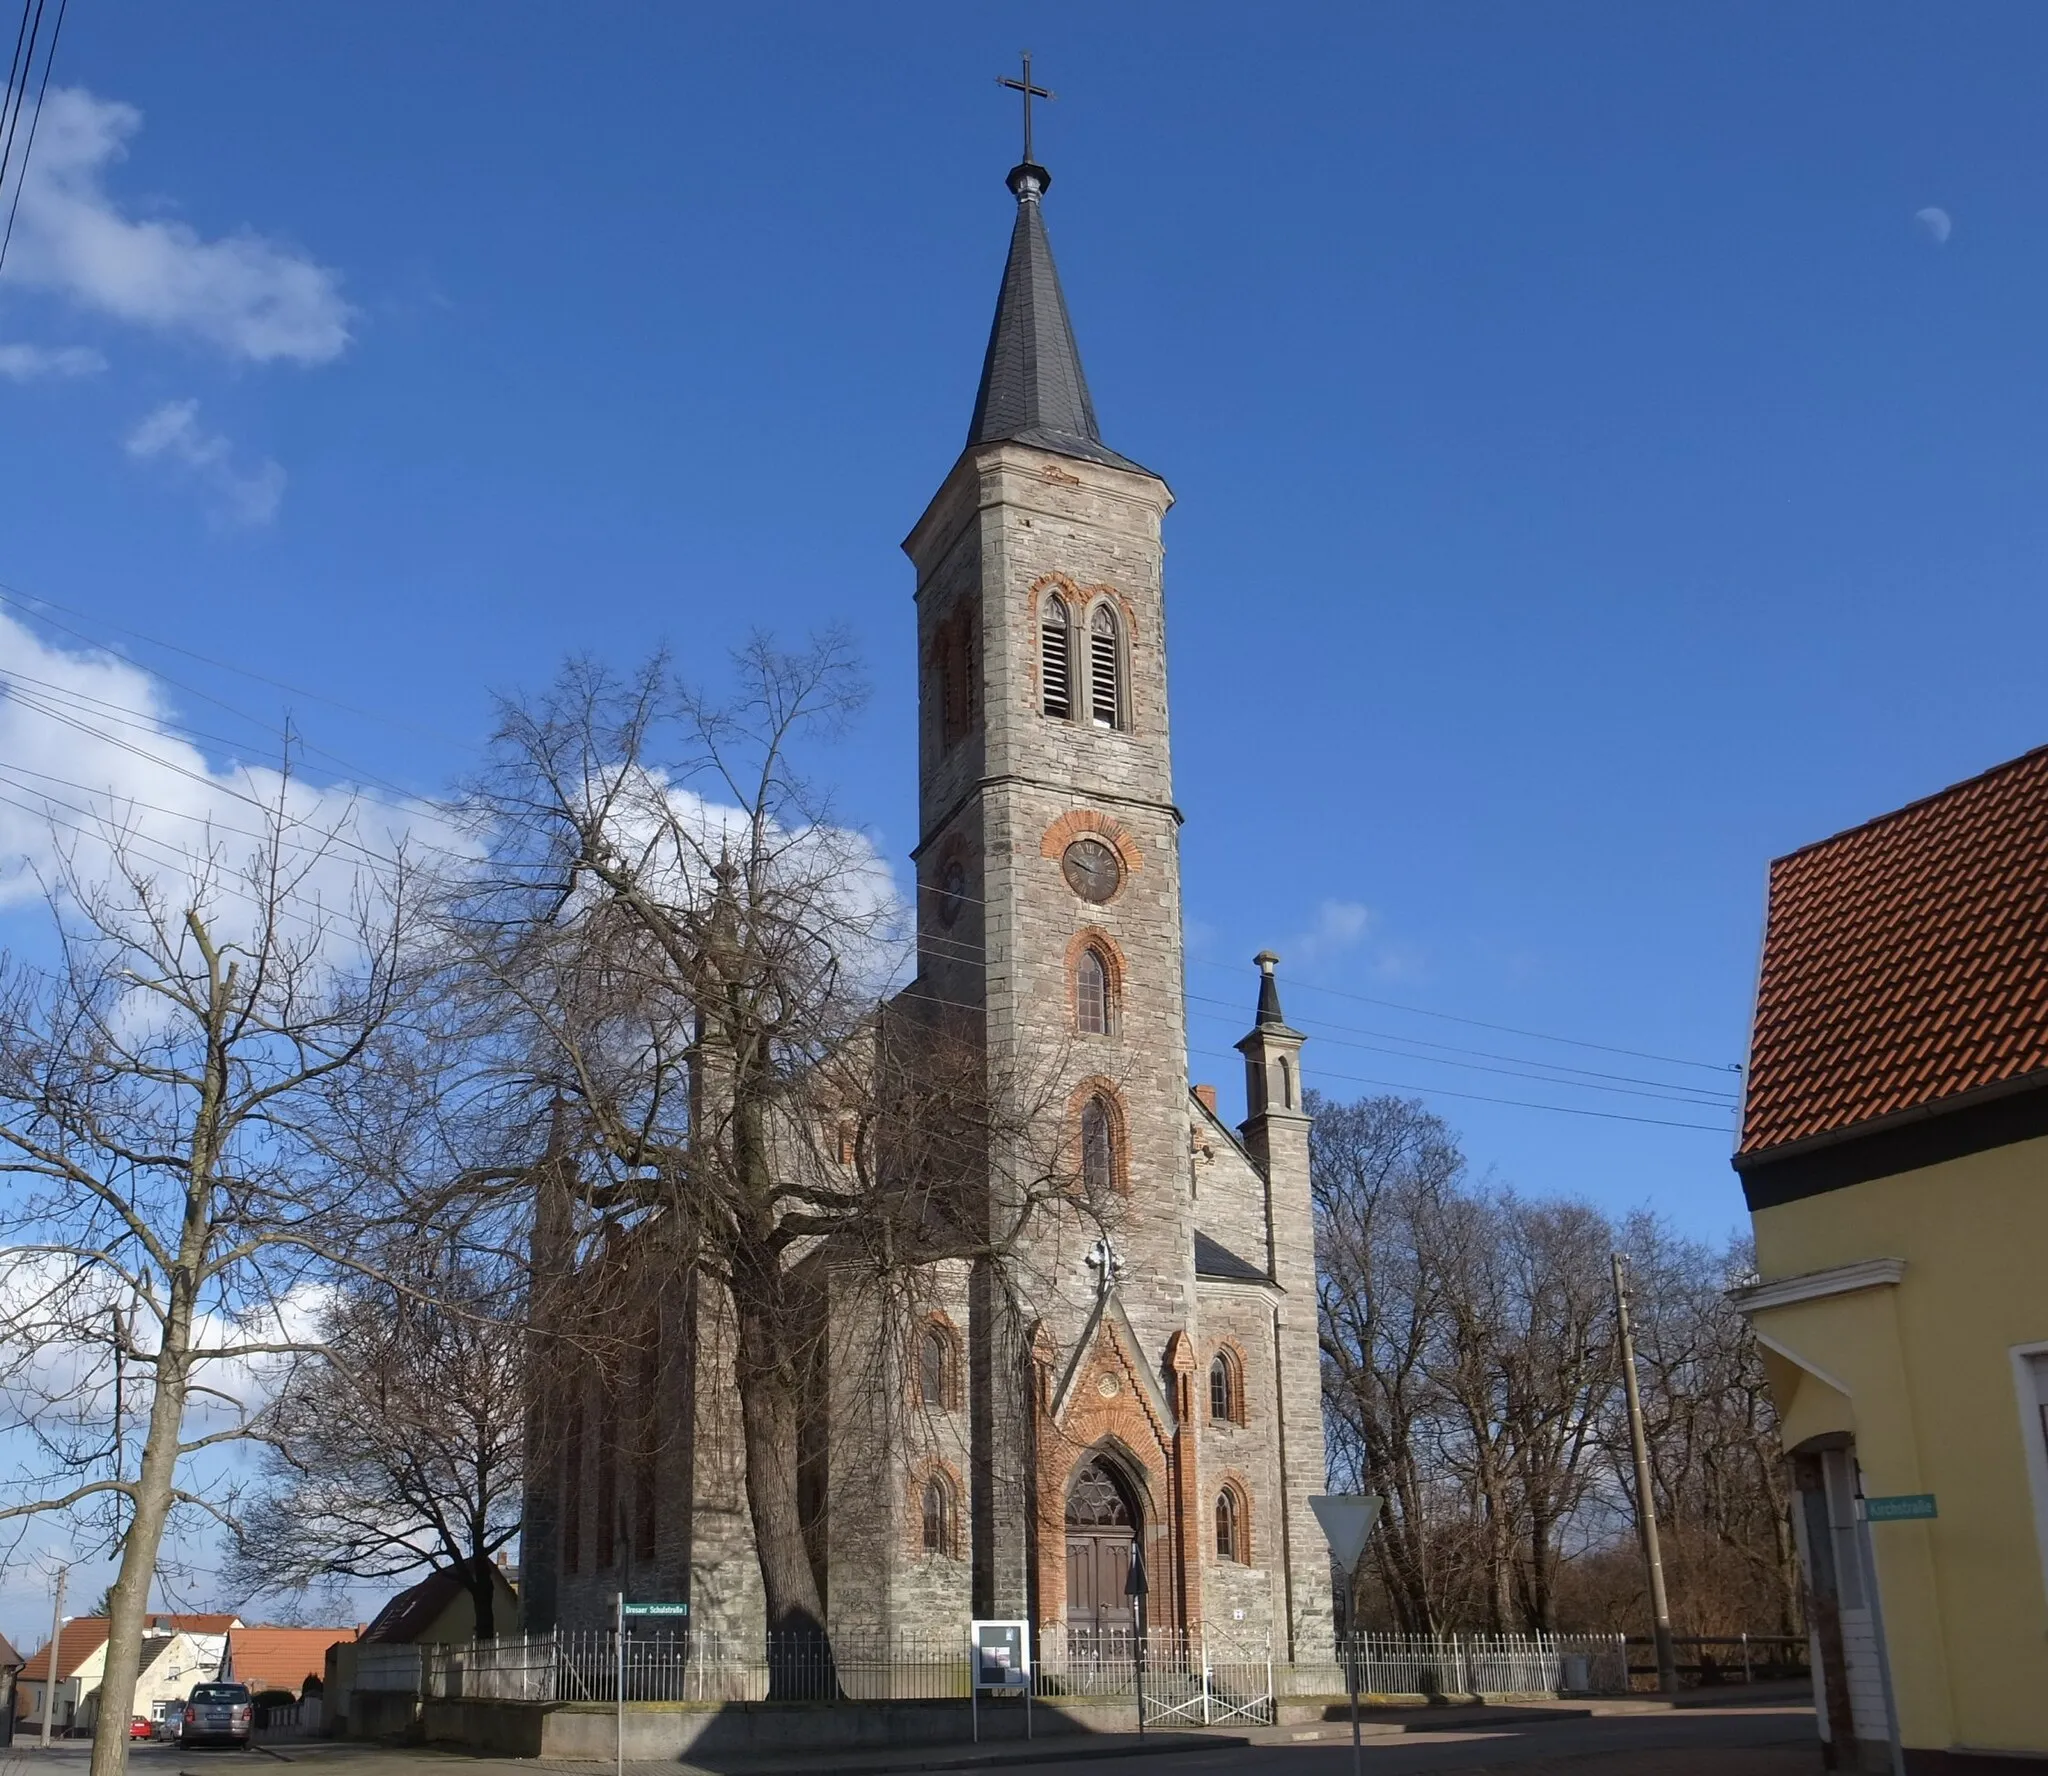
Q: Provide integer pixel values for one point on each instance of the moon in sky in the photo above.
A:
(1937, 224)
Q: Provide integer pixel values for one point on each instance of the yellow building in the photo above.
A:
(1894, 1155)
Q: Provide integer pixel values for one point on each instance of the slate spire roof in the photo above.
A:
(1033, 390)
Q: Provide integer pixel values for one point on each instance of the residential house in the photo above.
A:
(1894, 1155)
(177, 1652)
(438, 1611)
(267, 1658)
(11, 1663)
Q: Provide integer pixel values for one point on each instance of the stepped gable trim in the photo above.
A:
(1109, 1329)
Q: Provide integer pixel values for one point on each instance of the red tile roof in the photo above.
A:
(281, 1658)
(80, 1638)
(1905, 962)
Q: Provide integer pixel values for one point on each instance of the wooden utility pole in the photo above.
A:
(50, 1664)
(1646, 1503)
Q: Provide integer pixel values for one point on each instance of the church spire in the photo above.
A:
(1033, 390)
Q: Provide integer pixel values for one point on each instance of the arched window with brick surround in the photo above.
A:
(1226, 1388)
(1105, 667)
(939, 1511)
(938, 1366)
(1233, 1540)
(1056, 658)
(1098, 1146)
(1092, 1008)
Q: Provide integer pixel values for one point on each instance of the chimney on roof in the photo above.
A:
(1207, 1093)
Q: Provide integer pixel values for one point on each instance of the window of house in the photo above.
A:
(1091, 994)
(935, 1367)
(1056, 659)
(1229, 1526)
(1105, 669)
(2034, 1407)
(938, 1515)
(1098, 1147)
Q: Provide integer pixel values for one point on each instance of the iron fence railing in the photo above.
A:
(1197, 1674)
(1705, 1660)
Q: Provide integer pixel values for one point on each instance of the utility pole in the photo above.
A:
(1646, 1503)
(50, 1664)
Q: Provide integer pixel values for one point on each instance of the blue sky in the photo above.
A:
(1610, 442)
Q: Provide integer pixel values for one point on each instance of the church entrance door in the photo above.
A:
(1102, 1529)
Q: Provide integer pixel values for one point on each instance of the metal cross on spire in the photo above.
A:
(1030, 92)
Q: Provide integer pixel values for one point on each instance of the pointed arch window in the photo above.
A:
(937, 1365)
(1098, 1147)
(1286, 1083)
(1105, 668)
(1056, 658)
(1231, 1541)
(1226, 1388)
(1091, 993)
(938, 1513)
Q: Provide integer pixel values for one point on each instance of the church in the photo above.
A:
(1140, 1391)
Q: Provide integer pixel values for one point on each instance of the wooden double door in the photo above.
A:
(1102, 1533)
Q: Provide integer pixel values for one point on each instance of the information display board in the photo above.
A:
(1000, 1656)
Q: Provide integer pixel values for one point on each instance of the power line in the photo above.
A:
(1505, 1029)
(29, 147)
(1437, 1091)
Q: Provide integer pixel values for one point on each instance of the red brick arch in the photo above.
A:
(1089, 823)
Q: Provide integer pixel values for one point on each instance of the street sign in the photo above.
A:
(654, 1609)
(1136, 1583)
(1904, 1507)
(1347, 1519)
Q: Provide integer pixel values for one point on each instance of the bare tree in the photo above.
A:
(168, 1094)
(1379, 1170)
(691, 955)
(397, 1448)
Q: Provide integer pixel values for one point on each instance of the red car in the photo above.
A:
(139, 1727)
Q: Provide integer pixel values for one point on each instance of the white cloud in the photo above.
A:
(25, 363)
(1339, 924)
(89, 758)
(1936, 223)
(242, 498)
(247, 296)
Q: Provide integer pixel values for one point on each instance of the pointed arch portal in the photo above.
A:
(1104, 1521)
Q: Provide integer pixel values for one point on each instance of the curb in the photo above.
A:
(1055, 1749)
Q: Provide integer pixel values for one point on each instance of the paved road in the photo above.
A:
(1752, 1741)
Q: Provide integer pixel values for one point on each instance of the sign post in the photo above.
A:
(1137, 1587)
(1347, 1519)
(999, 1660)
(626, 1609)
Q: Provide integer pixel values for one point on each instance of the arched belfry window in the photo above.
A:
(1105, 668)
(1098, 1147)
(1091, 993)
(1056, 658)
(1286, 1083)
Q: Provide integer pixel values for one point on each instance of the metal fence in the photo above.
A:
(1199, 1675)
(1707, 1660)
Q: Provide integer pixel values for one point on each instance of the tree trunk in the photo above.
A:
(151, 1509)
(479, 1580)
(770, 1419)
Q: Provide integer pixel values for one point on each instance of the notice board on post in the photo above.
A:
(999, 1659)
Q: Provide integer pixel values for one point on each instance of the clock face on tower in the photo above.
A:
(1093, 870)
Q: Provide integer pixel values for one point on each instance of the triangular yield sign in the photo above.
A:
(1347, 1519)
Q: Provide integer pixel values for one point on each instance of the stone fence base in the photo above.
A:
(667, 1731)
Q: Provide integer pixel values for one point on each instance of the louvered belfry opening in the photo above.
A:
(1056, 659)
(1104, 669)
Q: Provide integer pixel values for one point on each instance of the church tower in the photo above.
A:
(1048, 861)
